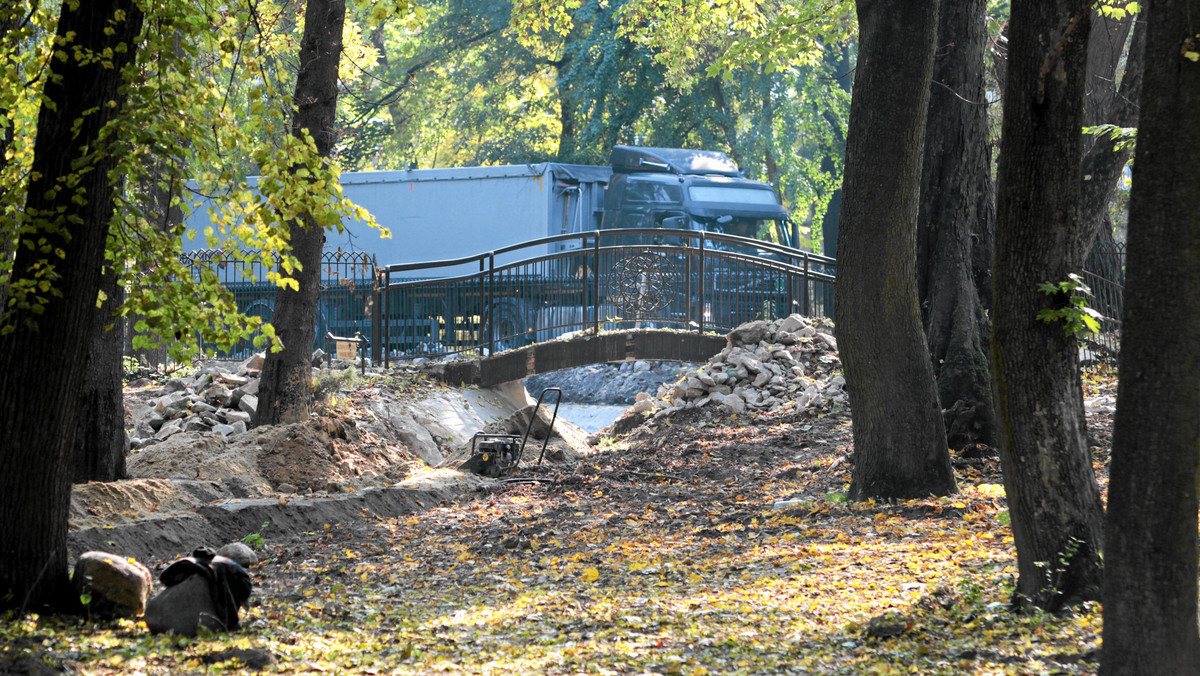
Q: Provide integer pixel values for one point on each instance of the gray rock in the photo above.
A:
(196, 424)
(240, 552)
(640, 367)
(171, 404)
(224, 430)
(791, 324)
(749, 333)
(734, 403)
(248, 404)
(182, 609)
(117, 586)
(318, 356)
(202, 407)
(232, 417)
(217, 395)
(168, 428)
(175, 385)
(254, 363)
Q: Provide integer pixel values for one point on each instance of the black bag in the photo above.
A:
(229, 584)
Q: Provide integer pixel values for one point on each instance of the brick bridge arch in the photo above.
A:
(581, 350)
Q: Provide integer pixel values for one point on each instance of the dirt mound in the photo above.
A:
(314, 454)
(112, 503)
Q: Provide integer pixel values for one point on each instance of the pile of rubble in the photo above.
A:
(781, 365)
(213, 399)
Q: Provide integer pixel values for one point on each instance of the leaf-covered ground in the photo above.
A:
(664, 553)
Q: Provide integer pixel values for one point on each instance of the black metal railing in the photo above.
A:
(1104, 274)
(606, 279)
(347, 283)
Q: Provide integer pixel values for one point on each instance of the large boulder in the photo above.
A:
(113, 585)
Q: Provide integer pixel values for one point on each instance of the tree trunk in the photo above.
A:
(1057, 518)
(1106, 104)
(1150, 561)
(68, 207)
(899, 442)
(100, 441)
(285, 390)
(956, 202)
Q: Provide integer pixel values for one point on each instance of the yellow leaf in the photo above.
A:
(590, 575)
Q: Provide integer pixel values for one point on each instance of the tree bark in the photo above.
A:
(68, 209)
(1057, 518)
(956, 208)
(285, 390)
(1150, 588)
(899, 442)
(100, 441)
(1106, 103)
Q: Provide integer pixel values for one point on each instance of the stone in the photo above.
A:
(830, 341)
(640, 367)
(182, 609)
(749, 333)
(175, 385)
(734, 403)
(217, 395)
(202, 407)
(240, 552)
(232, 379)
(171, 404)
(248, 404)
(233, 417)
(791, 324)
(196, 425)
(168, 428)
(224, 430)
(254, 363)
(116, 586)
(318, 356)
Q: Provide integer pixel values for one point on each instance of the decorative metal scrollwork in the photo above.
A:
(643, 283)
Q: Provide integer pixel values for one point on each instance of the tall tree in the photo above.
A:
(957, 217)
(54, 288)
(285, 390)
(899, 441)
(1057, 517)
(1150, 557)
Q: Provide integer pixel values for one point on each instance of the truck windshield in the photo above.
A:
(754, 228)
(730, 194)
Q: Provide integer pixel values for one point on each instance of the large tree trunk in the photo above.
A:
(100, 441)
(1150, 559)
(1057, 518)
(69, 204)
(285, 392)
(956, 204)
(899, 442)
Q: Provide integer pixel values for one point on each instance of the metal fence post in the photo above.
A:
(377, 318)
(491, 303)
(804, 287)
(595, 271)
(703, 281)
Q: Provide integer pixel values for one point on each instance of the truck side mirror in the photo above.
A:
(724, 220)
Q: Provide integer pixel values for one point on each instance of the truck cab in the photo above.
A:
(679, 189)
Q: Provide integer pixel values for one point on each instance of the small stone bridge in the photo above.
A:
(580, 350)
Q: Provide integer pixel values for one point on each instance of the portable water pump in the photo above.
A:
(495, 455)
